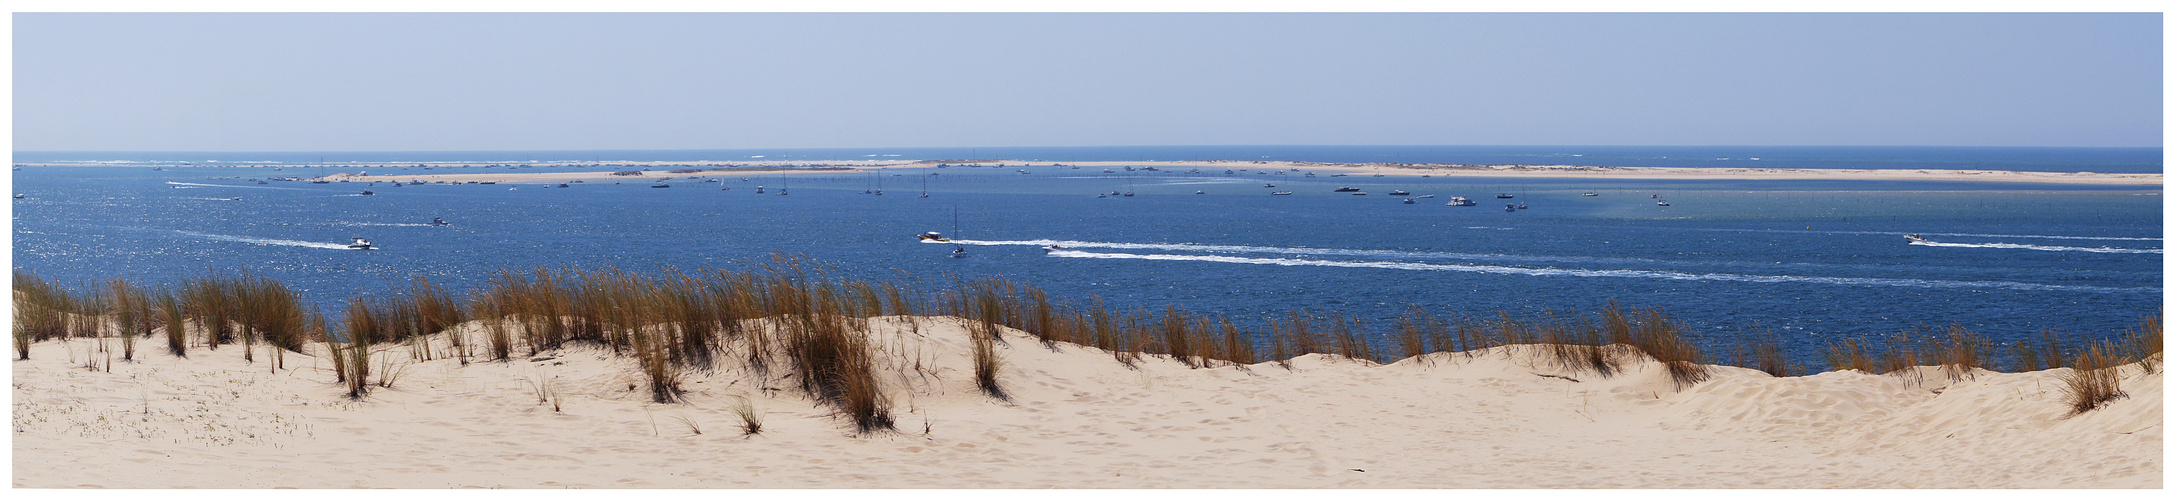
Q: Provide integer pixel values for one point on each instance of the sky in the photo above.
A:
(432, 82)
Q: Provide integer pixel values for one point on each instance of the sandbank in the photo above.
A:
(751, 169)
(1496, 418)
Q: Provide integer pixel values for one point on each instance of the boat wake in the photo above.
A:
(2017, 246)
(1601, 273)
(194, 185)
(1305, 251)
(269, 241)
(381, 224)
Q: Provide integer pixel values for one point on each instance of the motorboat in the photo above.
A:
(18, 196)
(367, 192)
(1460, 201)
(562, 185)
(1915, 238)
(758, 189)
(1347, 189)
(1361, 193)
(1400, 192)
(1509, 208)
(439, 222)
(1280, 193)
(1409, 201)
(1268, 185)
(1426, 196)
(1590, 193)
(1200, 192)
(1505, 196)
(1051, 248)
(660, 185)
(1520, 205)
(360, 244)
(933, 236)
(1661, 203)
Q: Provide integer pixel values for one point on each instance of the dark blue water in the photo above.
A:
(1812, 259)
(2105, 160)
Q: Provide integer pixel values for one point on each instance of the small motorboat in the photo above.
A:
(1051, 248)
(758, 189)
(933, 236)
(1409, 201)
(360, 244)
(18, 196)
(1347, 189)
(1504, 196)
(1509, 208)
(1280, 193)
(367, 192)
(562, 185)
(1661, 203)
(1915, 238)
(1361, 193)
(1460, 201)
(1590, 193)
(1521, 205)
(1200, 192)
(1400, 192)
(439, 222)
(1268, 185)
(1426, 196)
(660, 185)
(1128, 194)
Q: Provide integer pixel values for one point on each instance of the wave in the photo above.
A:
(269, 241)
(1968, 235)
(2018, 246)
(1303, 251)
(1603, 273)
(194, 185)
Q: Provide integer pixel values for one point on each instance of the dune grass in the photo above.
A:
(786, 312)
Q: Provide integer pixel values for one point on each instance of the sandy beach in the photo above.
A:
(1077, 418)
(659, 170)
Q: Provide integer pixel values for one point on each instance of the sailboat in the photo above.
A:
(924, 186)
(957, 251)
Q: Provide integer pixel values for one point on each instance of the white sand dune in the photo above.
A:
(1077, 419)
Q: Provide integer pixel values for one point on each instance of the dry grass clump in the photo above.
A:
(42, 310)
(1759, 348)
(2094, 380)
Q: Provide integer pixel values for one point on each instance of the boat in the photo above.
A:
(1347, 189)
(1268, 185)
(1504, 196)
(1661, 203)
(1361, 193)
(1509, 208)
(1426, 196)
(1200, 192)
(367, 192)
(758, 189)
(1915, 238)
(360, 244)
(1409, 201)
(18, 196)
(933, 236)
(1590, 193)
(1520, 205)
(1400, 192)
(562, 185)
(1280, 193)
(439, 222)
(1460, 201)
(1051, 248)
(660, 185)
(1128, 193)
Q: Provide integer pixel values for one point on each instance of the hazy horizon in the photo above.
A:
(603, 82)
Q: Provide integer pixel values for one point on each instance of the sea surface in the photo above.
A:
(1816, 260)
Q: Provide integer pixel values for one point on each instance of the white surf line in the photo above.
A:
(2016, 246)
(1971, 235)
(1603, 273)
(192, 185)
(269, 241)
(388, 224)
(1190, 247)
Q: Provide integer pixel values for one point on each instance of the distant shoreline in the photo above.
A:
(649, 170)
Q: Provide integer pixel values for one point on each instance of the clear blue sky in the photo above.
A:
(367, 82)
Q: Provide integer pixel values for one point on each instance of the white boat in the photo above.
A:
(1661, 203)
(435, 221)
(1400, 192)
(1426, 196)
(1460, 201)
(1915, 238)
(1051, 248)
(360, 244)
(1409, 201)
(933, 236)
(958, 252)
(1590, 193)
(1509, 208)
(1280, 193)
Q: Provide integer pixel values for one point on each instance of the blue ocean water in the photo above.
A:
(1814, 260)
